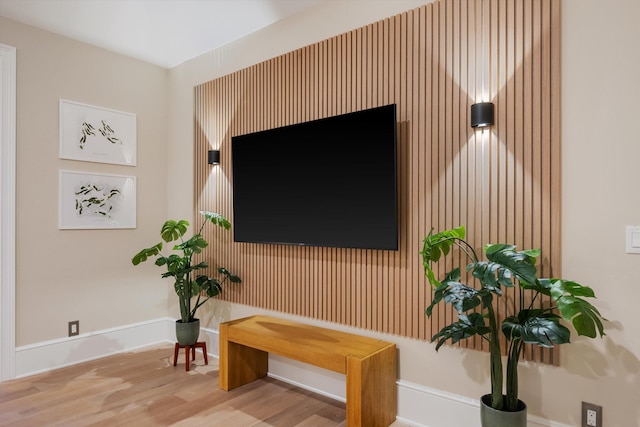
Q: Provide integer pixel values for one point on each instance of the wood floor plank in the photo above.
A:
(143, 388)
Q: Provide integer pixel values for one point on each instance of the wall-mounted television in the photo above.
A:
(330, 182)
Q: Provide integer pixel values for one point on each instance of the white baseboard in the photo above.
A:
(418, 405)
(48, 355)
(424, 406)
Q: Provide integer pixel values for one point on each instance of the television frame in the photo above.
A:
(365, 139)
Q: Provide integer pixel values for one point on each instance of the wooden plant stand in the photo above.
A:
(187, 362)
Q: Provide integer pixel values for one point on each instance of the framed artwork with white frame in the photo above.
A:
(94, 201)
(95, 134)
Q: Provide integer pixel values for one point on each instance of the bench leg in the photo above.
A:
(371, 389)
(239, 364)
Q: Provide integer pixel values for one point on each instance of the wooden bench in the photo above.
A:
(369, 364)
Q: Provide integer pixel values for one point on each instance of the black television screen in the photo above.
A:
(328, 182)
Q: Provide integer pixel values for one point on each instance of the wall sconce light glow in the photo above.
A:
(213, 157)
(482, 114)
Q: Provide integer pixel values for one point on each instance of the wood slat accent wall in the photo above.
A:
(433, 62)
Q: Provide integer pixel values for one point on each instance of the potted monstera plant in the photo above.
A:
(505, 267)
(193, 290)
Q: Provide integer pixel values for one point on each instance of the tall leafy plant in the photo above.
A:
(505, 268)
(180, 265)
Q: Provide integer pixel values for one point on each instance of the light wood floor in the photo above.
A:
(143, 388)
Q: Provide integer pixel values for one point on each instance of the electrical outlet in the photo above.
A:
(74, 328)
(591, 415)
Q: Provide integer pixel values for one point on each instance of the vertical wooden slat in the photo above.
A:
(417, 170)
(501, 57)
(492, 147)
(421, 110)
(433, 62)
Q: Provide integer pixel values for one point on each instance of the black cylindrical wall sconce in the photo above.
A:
(482, 114)
(214, 157)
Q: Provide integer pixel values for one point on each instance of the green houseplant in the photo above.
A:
(476, 307)
(179, 265)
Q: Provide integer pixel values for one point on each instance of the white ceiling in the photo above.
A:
(162, 32)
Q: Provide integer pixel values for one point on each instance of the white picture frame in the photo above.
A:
(96, 201)
(96, 134)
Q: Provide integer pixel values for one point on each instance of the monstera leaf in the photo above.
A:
(504, 264)
(537, 327)
(569, 297)
(192, 246)
(232, 277)
(216, 219)
(465, 327)
(146, 253)
(436, 245)
(173, 230)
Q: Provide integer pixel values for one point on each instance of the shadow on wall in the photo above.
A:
(215, 311)
(478, 372)
(616, 368)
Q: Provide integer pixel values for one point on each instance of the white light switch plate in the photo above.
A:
(633, 239)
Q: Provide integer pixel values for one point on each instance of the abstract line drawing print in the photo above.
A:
(96, 134)
(97, 200)
(105, 130)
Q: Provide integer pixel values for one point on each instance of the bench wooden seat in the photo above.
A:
(369, 364)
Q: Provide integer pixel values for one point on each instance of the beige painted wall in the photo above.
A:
(601, 177)
(60, 279)
(85, 275)
(600, 187)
